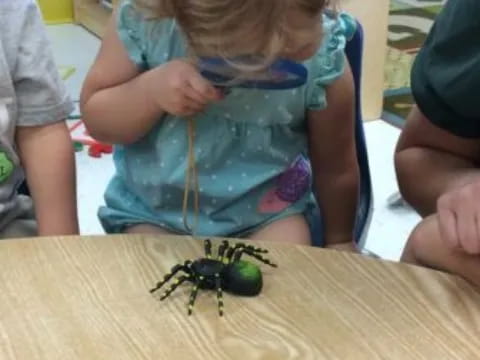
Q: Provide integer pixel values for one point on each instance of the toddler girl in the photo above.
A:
(250, 145)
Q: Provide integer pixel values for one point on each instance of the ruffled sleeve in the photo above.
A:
(130, 28)
(329, 62)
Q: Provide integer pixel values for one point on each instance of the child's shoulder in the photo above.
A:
(149, 40)
(15, 15)
(328, 64)
(17, 18)
(133, 17)
(9, 8)
(338, 29)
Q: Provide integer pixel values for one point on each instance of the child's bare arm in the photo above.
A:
(113, 94)
(47, 156)
(334, 161)
(120, 104)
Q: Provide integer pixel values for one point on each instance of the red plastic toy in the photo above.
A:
(97, 149)
(81, 136)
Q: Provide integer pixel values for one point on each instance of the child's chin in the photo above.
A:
(301, 57)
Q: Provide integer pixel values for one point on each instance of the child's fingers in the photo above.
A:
(190, 112)
(185, 106)
(195, 107)
(204, 89)
(190, 109)
(195, 102)
(195, 96)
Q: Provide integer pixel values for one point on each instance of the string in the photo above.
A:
(191, 179)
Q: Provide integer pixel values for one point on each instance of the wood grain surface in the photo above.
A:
(88, 298)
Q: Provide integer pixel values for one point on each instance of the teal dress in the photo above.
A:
(250, 148)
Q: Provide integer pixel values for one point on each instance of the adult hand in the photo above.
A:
(459, 218)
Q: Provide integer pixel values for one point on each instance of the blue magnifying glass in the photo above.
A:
(281, 75)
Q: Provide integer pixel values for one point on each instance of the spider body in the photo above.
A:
(239, 278)
(226, 271)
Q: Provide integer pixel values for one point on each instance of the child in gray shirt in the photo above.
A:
(34, 139)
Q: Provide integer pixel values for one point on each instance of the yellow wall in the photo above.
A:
(57, 11)
(373, 14)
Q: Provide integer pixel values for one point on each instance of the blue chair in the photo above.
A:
(354, 52)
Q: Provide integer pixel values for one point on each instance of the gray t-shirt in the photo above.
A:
(31, 94)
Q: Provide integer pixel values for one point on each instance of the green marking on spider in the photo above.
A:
(248, 270)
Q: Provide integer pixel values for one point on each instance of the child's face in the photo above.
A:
(301, 37)
(304, 38)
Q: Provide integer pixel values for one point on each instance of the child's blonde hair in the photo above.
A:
(229, 28)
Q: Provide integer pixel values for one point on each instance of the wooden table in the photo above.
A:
(88, 298)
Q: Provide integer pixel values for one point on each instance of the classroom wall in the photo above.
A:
(56, 11)
(373, 15)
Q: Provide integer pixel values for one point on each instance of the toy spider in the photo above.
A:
(225, 271)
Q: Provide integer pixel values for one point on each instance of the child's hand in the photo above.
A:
(179, 89)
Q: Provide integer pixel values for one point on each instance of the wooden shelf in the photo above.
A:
(92, 15)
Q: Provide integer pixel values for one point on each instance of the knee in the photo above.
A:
(406, 169)
(419, 241)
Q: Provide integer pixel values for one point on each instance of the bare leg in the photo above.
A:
(146, 229)
(294, 230)
(425, 247)
(444, 163)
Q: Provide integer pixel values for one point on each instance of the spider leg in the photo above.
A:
(208, 248)
(193, 295)
(251, 248)
(178, 281)
(228, 256)
(253, 254)
(218, 287)
(185, 267)
(221, 250)
(239, 247)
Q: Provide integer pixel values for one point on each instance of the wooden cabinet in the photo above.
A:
(93, 14)
(373, 15)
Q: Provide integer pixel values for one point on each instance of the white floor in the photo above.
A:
(389, 228)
